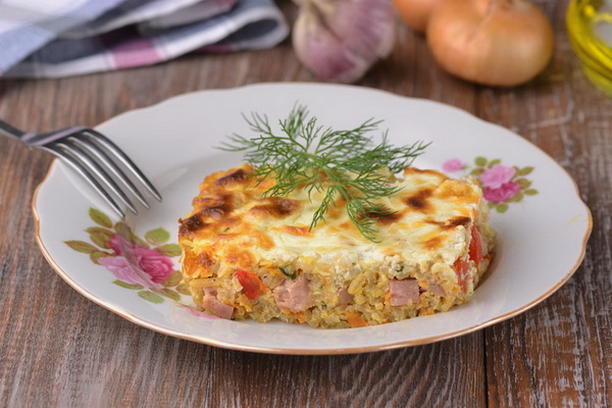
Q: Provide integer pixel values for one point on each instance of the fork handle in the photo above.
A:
(8, 130)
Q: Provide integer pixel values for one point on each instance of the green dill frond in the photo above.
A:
(341, 163)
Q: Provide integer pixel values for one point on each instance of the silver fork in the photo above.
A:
(93, 156)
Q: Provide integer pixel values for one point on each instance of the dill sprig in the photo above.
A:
(343, 164)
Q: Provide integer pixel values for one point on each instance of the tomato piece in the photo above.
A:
(476, 246)
(252, 286)
(461, 268)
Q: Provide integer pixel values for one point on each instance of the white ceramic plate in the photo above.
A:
(542, 224)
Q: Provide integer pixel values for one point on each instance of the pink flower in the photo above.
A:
(124, 271)
(503, 193)
(154, 264)
(118, 244)
(453, 165)
(496, 176)
(135, 264)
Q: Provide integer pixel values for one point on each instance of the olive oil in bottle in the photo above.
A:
(589, 27)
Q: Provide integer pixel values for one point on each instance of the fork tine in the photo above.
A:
(85, 174)
(98, 137)
(97, 170)
(101, 155)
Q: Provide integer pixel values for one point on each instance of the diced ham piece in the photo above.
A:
(437, 289)
(294, 296)
(403, 291)
(344, 298)
(213, 305)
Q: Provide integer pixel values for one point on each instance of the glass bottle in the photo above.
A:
(589, 27)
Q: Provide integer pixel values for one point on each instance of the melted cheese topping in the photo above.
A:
(231, 222)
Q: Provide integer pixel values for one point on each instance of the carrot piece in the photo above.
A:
(355, 319)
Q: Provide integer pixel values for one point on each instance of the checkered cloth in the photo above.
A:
(54, 38)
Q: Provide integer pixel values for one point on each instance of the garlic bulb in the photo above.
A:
(339, 40)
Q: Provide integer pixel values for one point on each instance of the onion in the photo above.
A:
(415, 13)
(491, 42)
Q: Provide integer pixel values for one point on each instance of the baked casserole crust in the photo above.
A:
(246, 256)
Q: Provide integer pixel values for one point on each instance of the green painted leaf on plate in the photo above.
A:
(82, 246)
(183, 289)
(532, 192)
(169, 249)
(477, 172)
(150, 296)
(100, 230)
(518, 197)
(494, 162)
(502, 208)
(126, 232)
(523, 183)
(480, 161)
(123, 229)
(100, 237)
(157, 236)
(100, 218)
(170, 294)
(95, 256)
(174, 279)
(127, 285)
(523, 171)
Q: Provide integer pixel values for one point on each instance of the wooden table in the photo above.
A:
(58, 349)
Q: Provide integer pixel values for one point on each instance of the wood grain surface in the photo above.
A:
(58, 349)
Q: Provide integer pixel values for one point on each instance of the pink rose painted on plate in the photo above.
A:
(118, 244)
(496, 176)
(157, 266)
(154, 264)
(501, 184)
(141, 264)
(126, 272)
(505, 192)
(453, 165)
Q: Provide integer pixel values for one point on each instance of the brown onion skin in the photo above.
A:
(491, 42)
(415, 13)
